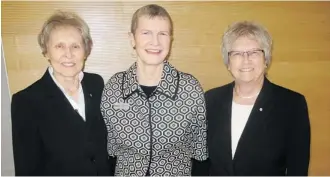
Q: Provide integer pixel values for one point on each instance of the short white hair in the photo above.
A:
(246, 29)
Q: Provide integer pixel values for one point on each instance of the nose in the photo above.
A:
(155, 40)
(246, 58)
(68, 52)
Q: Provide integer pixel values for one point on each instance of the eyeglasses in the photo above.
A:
(251, 54)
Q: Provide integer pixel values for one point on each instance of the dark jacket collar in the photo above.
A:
(168, 85)
(53, 89)
(53, 92)
(50, 86)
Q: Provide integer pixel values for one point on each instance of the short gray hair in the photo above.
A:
(65, 18)
(246, 29)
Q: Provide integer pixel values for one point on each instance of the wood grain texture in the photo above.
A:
(301, 57)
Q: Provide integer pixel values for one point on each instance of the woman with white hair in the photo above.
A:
(255, 127)
(57, 125)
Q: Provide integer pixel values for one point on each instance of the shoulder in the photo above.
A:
(117, 77)
(286, 94)
(188, 80)
(29, 94)
(219, 91)
(93, 78)
(31, 91)
(115, 80)
(292, 104)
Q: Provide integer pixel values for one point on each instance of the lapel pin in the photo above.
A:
(260, 109)
(90, 95)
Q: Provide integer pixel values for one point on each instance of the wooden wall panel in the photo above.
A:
(301, 32)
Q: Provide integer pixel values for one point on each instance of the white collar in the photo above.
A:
(51, 73)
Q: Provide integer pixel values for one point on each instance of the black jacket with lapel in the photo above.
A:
(275, 140)
(51, 138)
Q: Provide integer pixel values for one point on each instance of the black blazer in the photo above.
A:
(275, 140)
(51, 138)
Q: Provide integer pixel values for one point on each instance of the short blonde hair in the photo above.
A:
(65, 18)
(152, 11)
(246, 29)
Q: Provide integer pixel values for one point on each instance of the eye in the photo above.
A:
(59, 46)
(145, 32)
(236, 54)
(76, 46)
(163, 33)
(254, 53)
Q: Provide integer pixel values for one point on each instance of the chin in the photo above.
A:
(153, 61)
(245, 80)
(70, 73)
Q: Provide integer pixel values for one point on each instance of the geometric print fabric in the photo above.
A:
(163, 131)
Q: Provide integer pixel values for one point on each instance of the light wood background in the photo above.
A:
(301, 57)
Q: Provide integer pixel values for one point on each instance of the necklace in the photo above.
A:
(246, 97)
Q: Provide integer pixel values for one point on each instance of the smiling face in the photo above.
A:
(65, 51)
(152, 40)
(246, 60)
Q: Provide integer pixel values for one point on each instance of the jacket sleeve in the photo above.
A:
(298, 153)
(105, 107)
(26, 140)
(199, 127)
(200, 168)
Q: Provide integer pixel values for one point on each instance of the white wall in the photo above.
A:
(7, 162)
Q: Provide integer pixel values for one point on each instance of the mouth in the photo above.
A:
(68, 64)
(246, 69)
(153, 51)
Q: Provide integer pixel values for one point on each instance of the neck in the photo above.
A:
(149, 75)
(248, 90)
(70, 84)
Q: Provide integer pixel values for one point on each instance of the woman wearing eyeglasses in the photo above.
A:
(254, 126)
